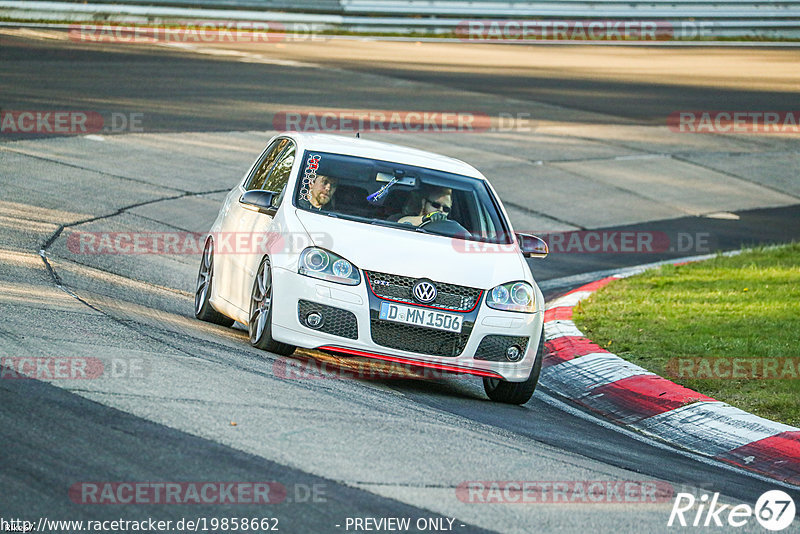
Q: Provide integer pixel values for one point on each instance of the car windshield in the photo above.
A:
(403, 196)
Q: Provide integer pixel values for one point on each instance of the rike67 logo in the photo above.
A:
(774, 510)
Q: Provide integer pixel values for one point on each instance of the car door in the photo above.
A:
(255, 226)
(231, 244)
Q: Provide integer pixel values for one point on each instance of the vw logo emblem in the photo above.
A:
(424, 291)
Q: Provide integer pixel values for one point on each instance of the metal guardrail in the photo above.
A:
(577, 8)
(572, 9)
(296, 6)
(759, 19)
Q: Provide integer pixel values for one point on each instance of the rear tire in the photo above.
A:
(260, 318)
(202, 307)
(516, 392)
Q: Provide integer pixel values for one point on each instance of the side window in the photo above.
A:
(259, 176)
(279, 176)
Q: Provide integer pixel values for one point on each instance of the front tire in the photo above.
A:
(202, 307)
(516, 392)
(260, 322)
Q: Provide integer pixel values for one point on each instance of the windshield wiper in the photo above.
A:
(398, 226)
(388, 224)
(378, 222)
(335, 215)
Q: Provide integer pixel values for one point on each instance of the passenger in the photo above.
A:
(320, 193)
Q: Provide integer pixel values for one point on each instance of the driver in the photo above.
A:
(320, 193)
(436, 205)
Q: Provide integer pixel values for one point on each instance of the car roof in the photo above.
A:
(366, 148)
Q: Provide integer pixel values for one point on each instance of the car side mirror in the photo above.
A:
(260, 201)
(532, 246)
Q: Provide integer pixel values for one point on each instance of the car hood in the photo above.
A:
(395, 251)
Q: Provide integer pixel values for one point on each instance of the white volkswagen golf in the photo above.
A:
(374, 250)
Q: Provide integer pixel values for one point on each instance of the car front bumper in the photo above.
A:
(291, 288)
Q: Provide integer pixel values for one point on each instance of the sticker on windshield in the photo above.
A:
(312, 165)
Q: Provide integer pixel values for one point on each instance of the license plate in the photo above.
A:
(420, 317)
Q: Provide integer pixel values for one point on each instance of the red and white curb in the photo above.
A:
(627, 394)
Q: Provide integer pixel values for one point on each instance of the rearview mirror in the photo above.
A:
(532, 246)
(260, 201)
(409, 181)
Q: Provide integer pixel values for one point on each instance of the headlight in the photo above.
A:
(513, 296)
(342, 268)
(319, 263)
(316, 260)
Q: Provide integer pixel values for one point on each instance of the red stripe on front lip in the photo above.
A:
(397, 359)
(369, 283)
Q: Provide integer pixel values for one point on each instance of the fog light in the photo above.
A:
(314, 320)
(514, 353)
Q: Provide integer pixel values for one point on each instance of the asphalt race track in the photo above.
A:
(593, 155)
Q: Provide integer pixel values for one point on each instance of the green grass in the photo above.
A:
(741, 307)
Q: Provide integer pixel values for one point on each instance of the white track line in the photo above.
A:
(551, 399)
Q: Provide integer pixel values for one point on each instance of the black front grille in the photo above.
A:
(418, 339)
(493, 348)
(449, 296)
(336, 321)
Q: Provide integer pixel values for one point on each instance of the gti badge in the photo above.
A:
(424, 291)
